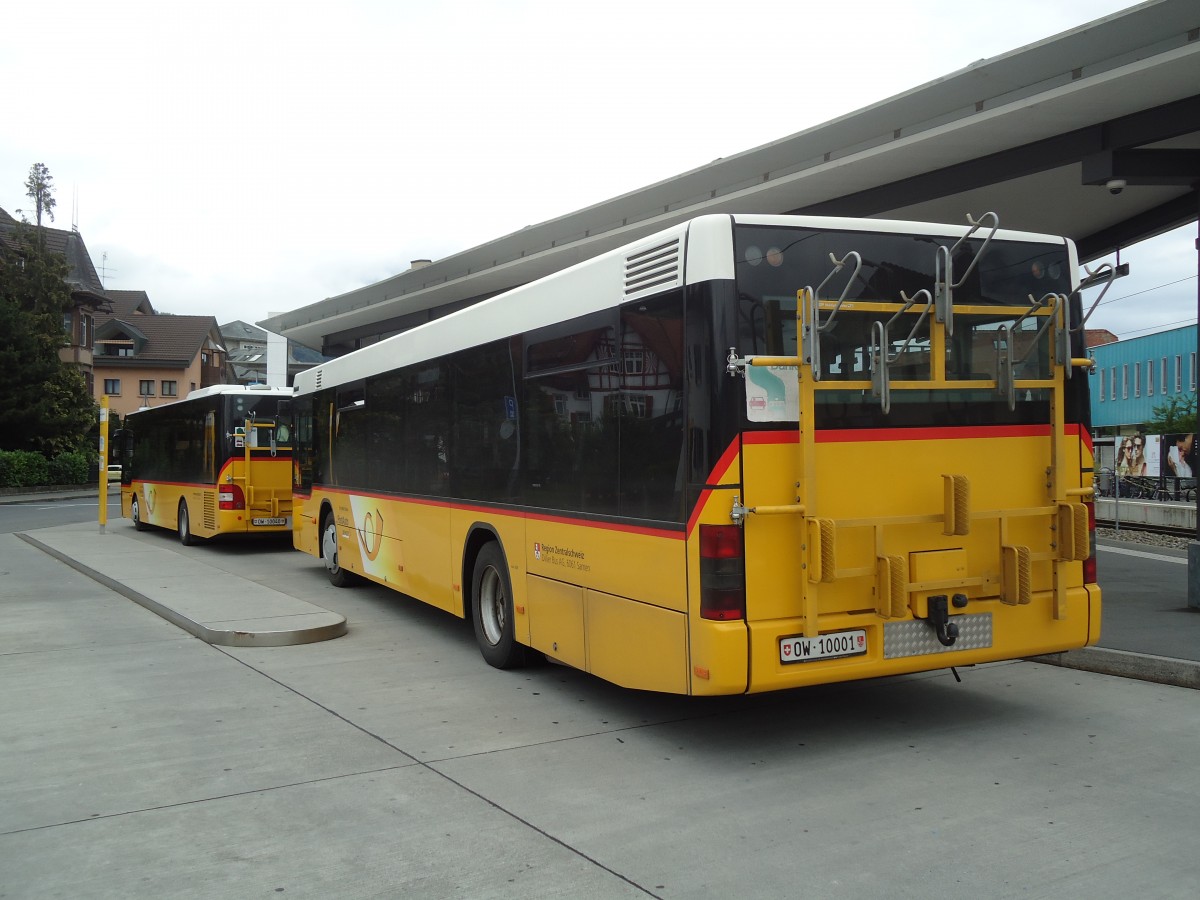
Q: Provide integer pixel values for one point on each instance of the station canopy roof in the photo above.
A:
(1044, 135)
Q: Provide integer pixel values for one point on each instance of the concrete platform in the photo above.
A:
(176, 583)
(1151, 513)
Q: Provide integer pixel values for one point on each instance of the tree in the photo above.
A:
(1176, 416)
(38, 188)
(44, 403)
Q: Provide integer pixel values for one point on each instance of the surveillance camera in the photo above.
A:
(1115, 186)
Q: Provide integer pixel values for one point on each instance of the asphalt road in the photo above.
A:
(49, 510)
(139, 762)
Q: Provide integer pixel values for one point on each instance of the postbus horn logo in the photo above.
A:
(369, 526)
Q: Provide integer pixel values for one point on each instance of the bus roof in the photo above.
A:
(241, 389)
(594, 284)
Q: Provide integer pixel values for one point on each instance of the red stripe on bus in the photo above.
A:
(889, 435)
(676, 534)
(714, 477)
(187, 484)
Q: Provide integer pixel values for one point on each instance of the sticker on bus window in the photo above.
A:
(772, 394)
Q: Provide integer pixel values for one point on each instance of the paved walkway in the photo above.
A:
(208, 602)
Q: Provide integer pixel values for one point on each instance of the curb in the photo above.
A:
(51, 490)
(329, 626)
(1183, 673)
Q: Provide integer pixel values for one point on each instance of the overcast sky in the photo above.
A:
(243, 157)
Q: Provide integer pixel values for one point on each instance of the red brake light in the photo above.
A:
(720, 542)
(230, 496)
(1089, 564)
(722, 573)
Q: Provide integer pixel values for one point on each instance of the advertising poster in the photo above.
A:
(1178, 455)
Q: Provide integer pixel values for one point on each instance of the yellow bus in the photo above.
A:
(747, 453)
(218, 462)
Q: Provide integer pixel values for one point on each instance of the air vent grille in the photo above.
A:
(210, 510)
(653, 267)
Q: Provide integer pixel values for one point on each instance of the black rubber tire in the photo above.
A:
(338, 576)
(492, 610)
(184, 526)
(135, 513)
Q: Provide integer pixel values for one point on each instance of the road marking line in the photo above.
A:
(1143, 555)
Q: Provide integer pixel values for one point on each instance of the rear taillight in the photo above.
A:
(722, 573)
(1089, 564)
(231, 497)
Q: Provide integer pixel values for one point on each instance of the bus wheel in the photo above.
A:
(338, 576)
(135, 513)
(492, 610)
(185, 525)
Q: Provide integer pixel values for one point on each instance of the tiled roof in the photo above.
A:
(81, 274)
(131, 303)
(170, 340)
(243, 331)
(237, 331)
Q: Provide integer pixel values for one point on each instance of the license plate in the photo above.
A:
(797, 648)
(268, 521)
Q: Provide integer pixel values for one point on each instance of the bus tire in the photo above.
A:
(492, 609)
(185, 525)
(338, 576)
(135, 513)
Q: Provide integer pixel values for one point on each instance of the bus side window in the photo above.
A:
(571, 415)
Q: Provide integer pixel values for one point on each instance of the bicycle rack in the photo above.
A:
(813, 326)
(1005, 357)
(881, 360)
(944, 284)
(1112, 276)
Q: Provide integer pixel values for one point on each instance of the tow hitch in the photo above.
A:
(939, 617)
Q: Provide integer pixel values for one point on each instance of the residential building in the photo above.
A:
(247, 348)
(146, 358)
(87, 294)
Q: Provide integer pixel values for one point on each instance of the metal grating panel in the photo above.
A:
(916, 637)
(210, 510)
(654, 267)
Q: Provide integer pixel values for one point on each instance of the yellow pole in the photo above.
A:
(103, 462)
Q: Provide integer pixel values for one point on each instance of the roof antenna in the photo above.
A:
(75, 208)
(104, 269)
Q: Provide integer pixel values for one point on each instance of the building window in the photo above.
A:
(1103, 379)
(1163, 380)
(112, 387)
(1192, 372)
(146, 388)
(1125, 382)
(204, 357)
(68, 331)
(1137, 379)
(1149, 378)
(169, 389)
(1178, 373)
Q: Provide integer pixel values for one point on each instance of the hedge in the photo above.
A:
(24, 468)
